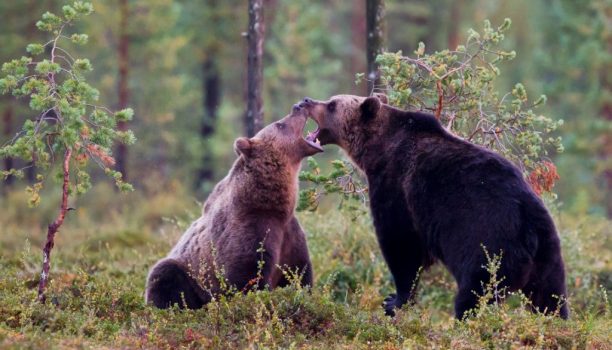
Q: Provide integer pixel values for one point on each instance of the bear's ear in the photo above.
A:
(382, 97)
(369, 108)
(243, 146)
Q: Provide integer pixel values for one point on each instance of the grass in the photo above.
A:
(103, 254)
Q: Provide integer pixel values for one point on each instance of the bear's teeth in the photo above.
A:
(317, 141)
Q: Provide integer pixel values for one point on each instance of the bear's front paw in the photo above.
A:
(391, 303)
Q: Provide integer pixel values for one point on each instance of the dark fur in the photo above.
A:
(434, 197)
(170, 283)
(251, 208)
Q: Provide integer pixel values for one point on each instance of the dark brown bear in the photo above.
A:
(251, 207)
(434, 196)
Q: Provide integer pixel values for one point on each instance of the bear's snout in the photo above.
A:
(307, 101)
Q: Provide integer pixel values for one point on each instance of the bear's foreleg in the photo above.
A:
(296, 256)
(267, 275)
(404, 256)
(169, 283)
(399, 242)
(307, 278)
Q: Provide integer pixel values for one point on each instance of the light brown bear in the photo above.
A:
(251, 208)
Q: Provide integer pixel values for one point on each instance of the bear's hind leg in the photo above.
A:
(465, 300)
(307, 278)
(472, 288)
(469, 291)
(546, 290)
(169, 283)
(295, 255)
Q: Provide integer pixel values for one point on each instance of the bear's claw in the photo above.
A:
(391, 303)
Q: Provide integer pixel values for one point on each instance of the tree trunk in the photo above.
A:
(375, 12)
(33, 35)
(255, 38)
(7, 130)
(358, 35)
(606, 149)
(122, 83)
(54, 228)
(453, 25)
(211, 84)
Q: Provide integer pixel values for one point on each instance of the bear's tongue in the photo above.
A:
(312, 139)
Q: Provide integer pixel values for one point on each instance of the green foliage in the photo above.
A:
(458, 86)
(67, 116)
(572, 62)
(160, 85)
(314, 48)
(304, 57)
(341, 180)
(97, 289)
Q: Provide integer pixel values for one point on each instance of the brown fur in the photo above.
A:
(434, 196)
(251, 207)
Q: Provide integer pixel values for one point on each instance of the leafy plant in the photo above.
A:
(342, 180)
(68, 127)
(458, 87)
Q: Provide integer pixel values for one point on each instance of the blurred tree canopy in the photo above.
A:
(186, 73)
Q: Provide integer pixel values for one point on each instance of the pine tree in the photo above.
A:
(574, 59)
(68, 126)
(255, 40)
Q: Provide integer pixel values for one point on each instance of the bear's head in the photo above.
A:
(348, 121)
(281, 143)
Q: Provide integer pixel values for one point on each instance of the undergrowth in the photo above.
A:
(104, 253)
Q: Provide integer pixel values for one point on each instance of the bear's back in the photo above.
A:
(196, 244)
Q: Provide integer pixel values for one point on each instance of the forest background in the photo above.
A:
(182, 67)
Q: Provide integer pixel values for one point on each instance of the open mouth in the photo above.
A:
(312, 138)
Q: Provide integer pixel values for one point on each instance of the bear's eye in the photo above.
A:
(331, 107)
(280, 126)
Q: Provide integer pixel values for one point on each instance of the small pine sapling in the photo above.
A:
(68, 127)
(342, 180)
(457, 85)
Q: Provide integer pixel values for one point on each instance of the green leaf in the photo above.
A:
(125, 187)
(49, 22)
(47, 67)
(421, 49)
(35, 49)
(83, 8)
(69, 12)
(82, 64)
(79, 39)
(7, 84)
(124, 115)
(126, 137)
(506, 25)
(17, 67)
(541, 100)
(359, 78)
